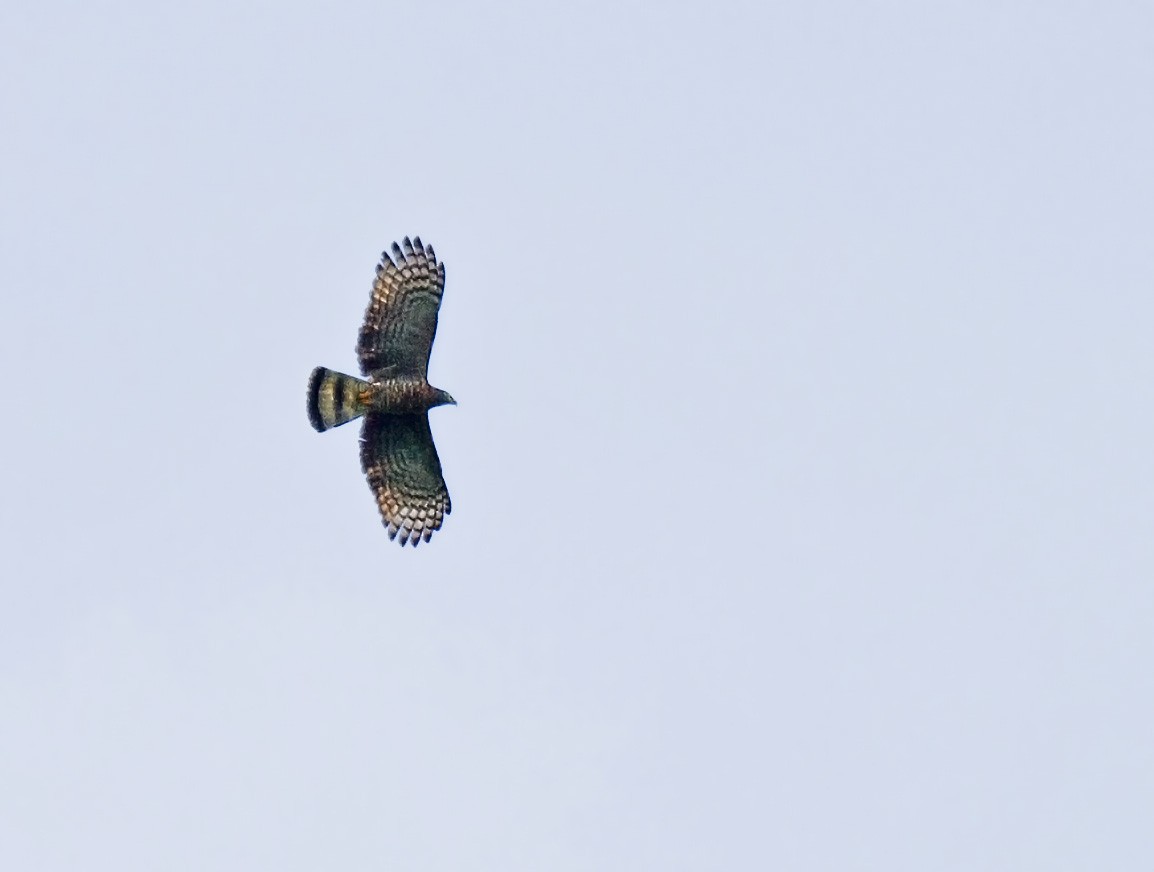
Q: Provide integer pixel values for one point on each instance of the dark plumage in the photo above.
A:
(397, 452)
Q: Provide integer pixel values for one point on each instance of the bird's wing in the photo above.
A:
(401, 320)
(400, 461)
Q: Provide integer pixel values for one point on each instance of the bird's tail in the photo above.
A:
(334, 398)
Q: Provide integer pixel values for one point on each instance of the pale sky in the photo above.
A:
(802, 468)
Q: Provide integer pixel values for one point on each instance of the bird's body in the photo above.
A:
(397, 451)
(401, 395)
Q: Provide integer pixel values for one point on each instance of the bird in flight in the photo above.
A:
(394, 397)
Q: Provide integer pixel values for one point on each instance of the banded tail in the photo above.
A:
(334, 399)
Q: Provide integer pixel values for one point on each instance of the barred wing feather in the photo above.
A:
(401, 320)
(400, 461)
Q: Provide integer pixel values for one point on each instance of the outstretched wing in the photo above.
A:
(400, 461)
(401, 320)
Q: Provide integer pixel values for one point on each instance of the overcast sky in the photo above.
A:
(802, 469)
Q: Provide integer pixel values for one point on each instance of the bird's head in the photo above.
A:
(443, 398)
